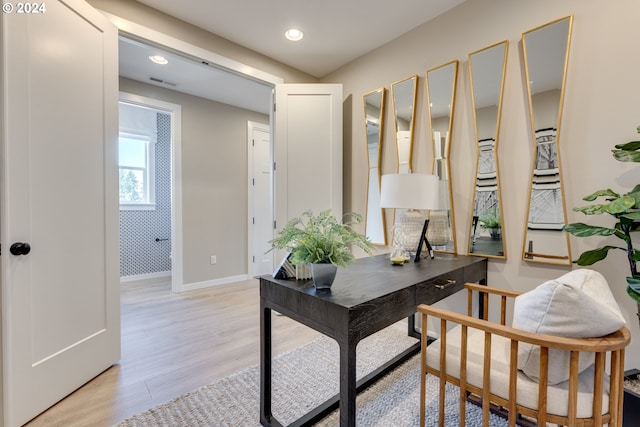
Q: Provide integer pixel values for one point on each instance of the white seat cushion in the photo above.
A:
(578, 304)
(527, 389)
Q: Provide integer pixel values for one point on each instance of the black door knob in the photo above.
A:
(20, 248)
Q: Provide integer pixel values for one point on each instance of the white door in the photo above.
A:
(260, 197)
(60, 301)
(308, 150)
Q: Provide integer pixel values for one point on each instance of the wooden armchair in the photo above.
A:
(481, 358)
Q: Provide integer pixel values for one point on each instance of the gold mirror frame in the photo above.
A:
(404, 93)
(487, 69)
(441, 95)
(373, 105)
(546, 54)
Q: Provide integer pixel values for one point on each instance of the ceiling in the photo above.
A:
(336, 33)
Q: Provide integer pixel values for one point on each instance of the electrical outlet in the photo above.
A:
(213, 259)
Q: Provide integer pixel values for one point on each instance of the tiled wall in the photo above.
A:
(139, 251)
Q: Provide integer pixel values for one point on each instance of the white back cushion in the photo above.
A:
(578, 304)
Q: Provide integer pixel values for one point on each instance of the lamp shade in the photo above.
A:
(409, 191)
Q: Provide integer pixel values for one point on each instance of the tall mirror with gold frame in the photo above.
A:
(404, 94)
(441, 94)
(546, 53)
(486, 73)
(407, 224)
(375, 227)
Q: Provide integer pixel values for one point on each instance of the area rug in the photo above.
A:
(308, 376)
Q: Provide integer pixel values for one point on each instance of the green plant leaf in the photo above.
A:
(631, 145)
(591, 209)
(620, 205)
(633, 288)
(580, 229)
(600, 193)
(633, 216)
(626, 156)
(594, 255)
(635, 193)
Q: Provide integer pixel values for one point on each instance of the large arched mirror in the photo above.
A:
(486, 73)
(546, 52)
(375, 227)
(404, 93)
(441, 93)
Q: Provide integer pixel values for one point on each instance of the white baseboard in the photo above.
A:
(137, 277)
(215, 282)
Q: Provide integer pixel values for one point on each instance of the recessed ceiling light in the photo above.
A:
(159, 59)
(294, 34)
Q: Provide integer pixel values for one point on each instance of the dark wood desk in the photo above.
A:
(365, 298)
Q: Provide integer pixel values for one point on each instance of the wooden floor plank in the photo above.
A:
(173, 344)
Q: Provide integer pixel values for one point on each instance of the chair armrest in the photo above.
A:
(485, 292)
(491, 290)
(613, 341)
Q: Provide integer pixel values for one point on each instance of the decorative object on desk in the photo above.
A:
(321, 239)
(412, 192)
(439, 229)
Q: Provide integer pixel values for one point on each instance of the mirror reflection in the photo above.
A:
(546, 50)
(441, 92)
(486, 72)
(404, 93)
(375, 228)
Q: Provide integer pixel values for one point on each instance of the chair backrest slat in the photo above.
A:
(542, 386)
(572, 409)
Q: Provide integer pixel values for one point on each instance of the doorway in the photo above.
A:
(148, 144)
(241, 86)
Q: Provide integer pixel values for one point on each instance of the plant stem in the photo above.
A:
(626, 229)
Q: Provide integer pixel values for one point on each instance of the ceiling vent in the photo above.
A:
(163, 82)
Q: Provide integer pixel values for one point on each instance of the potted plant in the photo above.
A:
(323, 242)
(490, 220)
(625, 209)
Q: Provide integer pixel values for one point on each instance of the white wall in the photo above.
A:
(600, 110)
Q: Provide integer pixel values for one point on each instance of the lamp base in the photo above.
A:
(424, 241)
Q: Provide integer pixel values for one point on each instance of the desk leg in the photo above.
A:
(265, 364)
(412, 331)
(348, 383)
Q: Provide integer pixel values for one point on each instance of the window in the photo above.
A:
(136, 171)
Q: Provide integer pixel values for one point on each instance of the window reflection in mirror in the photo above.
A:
(546, 51)
(375, 227)
(441, 92)
(404, 93)
(486, 73)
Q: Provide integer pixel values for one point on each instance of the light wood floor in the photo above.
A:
(171, 345)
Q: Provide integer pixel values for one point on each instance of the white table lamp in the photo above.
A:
(412, 192)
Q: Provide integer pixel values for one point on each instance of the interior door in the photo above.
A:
(308, 150)
(59, 183)
(260, 195)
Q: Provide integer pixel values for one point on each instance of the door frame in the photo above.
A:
(141, 33)
(175, 111)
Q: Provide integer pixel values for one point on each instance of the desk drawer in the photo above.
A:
(441, 287)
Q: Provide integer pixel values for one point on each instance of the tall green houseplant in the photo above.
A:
(625, 208)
